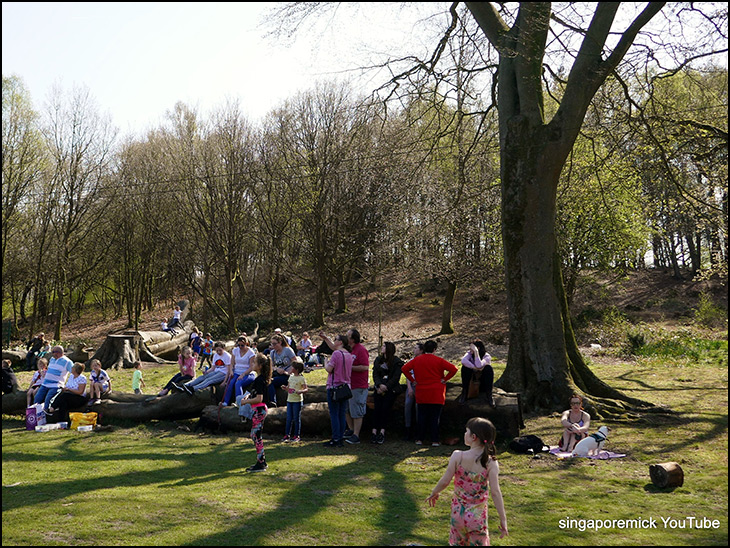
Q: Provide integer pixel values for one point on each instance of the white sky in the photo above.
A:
(139, 59)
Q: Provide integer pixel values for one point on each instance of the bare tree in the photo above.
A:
(80, 141)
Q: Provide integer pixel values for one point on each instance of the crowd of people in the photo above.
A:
(250, 380)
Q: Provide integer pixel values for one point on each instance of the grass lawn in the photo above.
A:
(162, 485)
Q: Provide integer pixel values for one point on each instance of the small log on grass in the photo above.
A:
(667, 474)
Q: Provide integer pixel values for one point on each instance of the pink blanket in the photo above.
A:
(603, 455)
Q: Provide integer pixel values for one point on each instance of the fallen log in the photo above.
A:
(507, 416)
(121, 350)
(17, 358)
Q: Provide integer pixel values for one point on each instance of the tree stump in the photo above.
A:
(118, 351)
(667, 474)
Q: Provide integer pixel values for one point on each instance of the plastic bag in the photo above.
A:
(82, 419)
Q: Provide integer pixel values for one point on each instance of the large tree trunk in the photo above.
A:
(447, 322)
(543, 361)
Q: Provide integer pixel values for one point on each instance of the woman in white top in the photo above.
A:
(477, 363)
(220, 373)
(243, 375)
(70, 396)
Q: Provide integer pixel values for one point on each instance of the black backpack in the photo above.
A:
(528, 444)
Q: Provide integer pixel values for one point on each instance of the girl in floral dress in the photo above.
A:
(475, 472)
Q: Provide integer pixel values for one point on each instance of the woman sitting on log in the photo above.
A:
(243, 374)
(219, 374)
(186, 361)
(477, 368)
(576, 423)
(70, 396)
(386, 377)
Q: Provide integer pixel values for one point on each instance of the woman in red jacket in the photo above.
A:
(429, 373)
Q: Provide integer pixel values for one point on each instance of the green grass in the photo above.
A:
(156, 484)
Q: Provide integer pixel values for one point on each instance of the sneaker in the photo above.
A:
(435, 444)
(286, 439)
(224, 404)
(348, 433)
(353, 440)
(374, 439)
(296, 439)
(381, 439)
(258, 467)
(333, 443)
(243, 419)
(419, 442)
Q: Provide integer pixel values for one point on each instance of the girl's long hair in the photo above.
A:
(485, 431)
(265, 368)
(389, 353)
(480, 347)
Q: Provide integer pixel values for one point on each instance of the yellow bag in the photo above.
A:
(82, 419)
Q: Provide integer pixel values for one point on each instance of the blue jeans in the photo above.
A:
(236, 385)
(204, 381)
(337, 415)
(45, 395)
(276, 382)
(293, 418)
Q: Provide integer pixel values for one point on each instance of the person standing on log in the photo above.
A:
(430, 374)
(221, 372)
(58, 369)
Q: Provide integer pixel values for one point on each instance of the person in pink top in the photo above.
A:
(187, 362)
(339, 368)
(360, 384)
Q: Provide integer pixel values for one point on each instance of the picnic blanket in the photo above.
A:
(603, 455)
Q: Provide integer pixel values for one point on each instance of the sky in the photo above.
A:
(139, 59)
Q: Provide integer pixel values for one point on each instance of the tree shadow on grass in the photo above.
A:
(52, 489)
(334, 496)
(336, 501)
